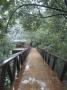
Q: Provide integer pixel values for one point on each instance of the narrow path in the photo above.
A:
(37, 75)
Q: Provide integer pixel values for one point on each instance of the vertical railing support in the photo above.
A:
(64, 71)
(49, 57)
(20, 58)
(17, 64)
(2, 79)
(10, 73)
(45, 56)
(54, 62)
(14, 68)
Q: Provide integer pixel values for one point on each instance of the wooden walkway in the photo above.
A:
(36, 75)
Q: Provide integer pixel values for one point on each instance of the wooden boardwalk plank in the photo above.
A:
(36, 75)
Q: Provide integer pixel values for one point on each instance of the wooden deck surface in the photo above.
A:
(36, 75)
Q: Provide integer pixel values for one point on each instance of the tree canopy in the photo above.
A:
(46, 20)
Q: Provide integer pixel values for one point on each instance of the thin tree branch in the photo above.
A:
(54, 15)
(45, 16)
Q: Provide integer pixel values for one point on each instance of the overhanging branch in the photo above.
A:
(42, 6)
(60, 10)
(40, 16)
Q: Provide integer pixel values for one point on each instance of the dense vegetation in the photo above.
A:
(46, 22)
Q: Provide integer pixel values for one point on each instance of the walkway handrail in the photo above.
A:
(2, 63)
(50, 57)
(54, 55)
(11, 66)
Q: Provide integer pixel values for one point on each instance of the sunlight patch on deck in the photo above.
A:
(31, 81)
(27, 68)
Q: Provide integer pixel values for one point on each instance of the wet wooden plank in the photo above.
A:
(36, 75)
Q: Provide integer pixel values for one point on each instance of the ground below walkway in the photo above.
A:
(36, 75)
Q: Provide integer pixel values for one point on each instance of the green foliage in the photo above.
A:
(31, 23)
(5, 47)
(50, 33)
